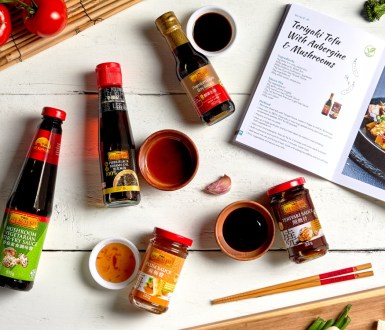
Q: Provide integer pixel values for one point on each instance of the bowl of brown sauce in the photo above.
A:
(168, 159)
(211, 30)
(245, 230)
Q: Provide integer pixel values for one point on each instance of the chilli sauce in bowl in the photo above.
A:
(168, 160)
(114, 263)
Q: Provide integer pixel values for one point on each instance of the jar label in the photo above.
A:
(112, 99)
(46, 147)
(118, 174)
(21, 244)
(156, 281)
(205, 89)
(298, 222)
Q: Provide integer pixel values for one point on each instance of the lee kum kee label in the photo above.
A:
(205, 89)
(46, 147)
(299, 223)
(157, 280)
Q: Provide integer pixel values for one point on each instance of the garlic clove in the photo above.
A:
(220, 186)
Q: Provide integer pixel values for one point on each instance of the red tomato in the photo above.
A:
(47, 17)
(5, 24)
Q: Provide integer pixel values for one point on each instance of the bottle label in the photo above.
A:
(21, 244)
(205, 89)
(112, 99)
(157, 278)
(298, 222)
(326, 109)
(118, 174)
(46, 147)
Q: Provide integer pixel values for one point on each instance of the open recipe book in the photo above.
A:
(318, 104)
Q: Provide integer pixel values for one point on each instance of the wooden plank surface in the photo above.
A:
(64, 296)
(367, 308)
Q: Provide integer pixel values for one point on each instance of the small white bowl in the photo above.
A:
(205, 10)
(94, 254)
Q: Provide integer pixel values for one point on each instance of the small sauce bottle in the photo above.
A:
(328, 105)
(196, 74)
(297, 220)
(159, 271)
(116, 142)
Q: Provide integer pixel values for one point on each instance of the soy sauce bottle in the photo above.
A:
(116, 143)
(29, 207)
(196, 73)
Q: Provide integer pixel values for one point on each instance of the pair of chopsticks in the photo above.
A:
(335, 276)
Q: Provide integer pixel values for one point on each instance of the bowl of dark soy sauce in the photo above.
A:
(211, 30)
(245, 230)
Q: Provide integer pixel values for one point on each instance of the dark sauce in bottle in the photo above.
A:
(212, 32)
(189, 60)
(116, 142)
(196, 74)
(31, 203)
(245, 229)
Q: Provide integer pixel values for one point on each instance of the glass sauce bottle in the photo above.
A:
(298, 221)
(196, 73)
(29, 207)
(159, 271)
(116, 143)
(327, 105)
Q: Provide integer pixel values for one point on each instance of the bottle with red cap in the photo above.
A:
(159, 271)
(29, 206)
(297, 220)
(116, 143)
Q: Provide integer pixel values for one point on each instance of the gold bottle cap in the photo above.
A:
(167, 23)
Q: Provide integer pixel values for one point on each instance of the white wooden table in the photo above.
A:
(64, 295)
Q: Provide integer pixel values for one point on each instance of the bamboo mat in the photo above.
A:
(82, 14)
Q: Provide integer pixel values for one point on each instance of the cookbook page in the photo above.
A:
(316, 83)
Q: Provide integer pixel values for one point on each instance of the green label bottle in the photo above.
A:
(29, 207)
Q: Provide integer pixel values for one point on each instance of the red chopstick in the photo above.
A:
(335, 276)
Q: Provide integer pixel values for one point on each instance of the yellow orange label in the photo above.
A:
(118, 155)
(42, 144)
(199, 75)
(22, 220)
(294, 206)
(161, 258)
(158, 277)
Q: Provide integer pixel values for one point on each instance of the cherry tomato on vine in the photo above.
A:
(5, 24)
(45, 18)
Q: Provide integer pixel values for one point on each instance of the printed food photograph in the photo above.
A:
(367, 158)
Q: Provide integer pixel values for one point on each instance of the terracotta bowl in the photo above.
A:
(245, 230)
(168, 160)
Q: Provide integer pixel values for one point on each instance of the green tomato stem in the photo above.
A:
(30, 9)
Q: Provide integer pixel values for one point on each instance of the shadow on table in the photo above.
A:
(91, 170)
(18, 155)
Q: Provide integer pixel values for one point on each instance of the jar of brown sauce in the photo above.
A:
(297, 220)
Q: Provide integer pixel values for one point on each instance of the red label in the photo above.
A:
(46, 147)
(23, 219)
(205, 89)
(210, 98)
